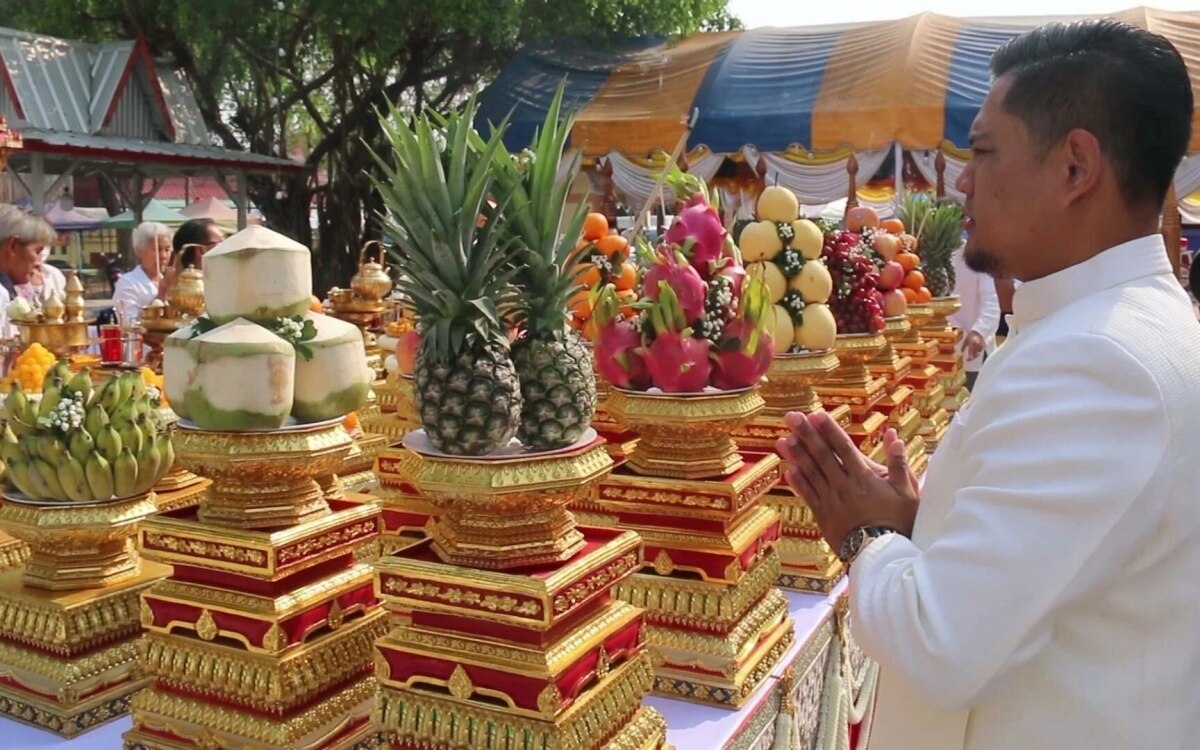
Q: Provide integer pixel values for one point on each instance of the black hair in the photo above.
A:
(1126, 86)
(190, 232)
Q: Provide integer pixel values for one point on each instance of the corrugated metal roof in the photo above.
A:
(182, 105)
(108, 64)
(52, 79)
(138, 150)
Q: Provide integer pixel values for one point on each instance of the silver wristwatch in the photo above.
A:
(858, 538)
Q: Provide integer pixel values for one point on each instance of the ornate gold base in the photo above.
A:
(169, 501)
(761, 434)
(165, 721)
(807, 563)
(395, 416)
(723, 671)
(13, 552)
(68, 660)
(178, 478)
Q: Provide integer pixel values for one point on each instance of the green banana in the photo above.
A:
(167, 447)
(61, 369)
(20, 427)
(51, 397)
(110, 395)
(11, 452)
(29, 447)
(20, 473)
(109, 443)
(8, 436)
(73, 480)
(81, 383)
(51, 449)
(148, 462)
(49, 477)
(137, 388)
(82, 444)
(99, 477)
(16, 402)
(132, 437)
(95, 418)
(125, 474)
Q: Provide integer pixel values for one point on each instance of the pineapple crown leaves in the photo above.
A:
(536, 220)
(456, 269)
(937, 225)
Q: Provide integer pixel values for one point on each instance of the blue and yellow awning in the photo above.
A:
(917, 81)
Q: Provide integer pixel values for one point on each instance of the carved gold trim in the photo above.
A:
(600, 712)
(544, 663)
(260, 554)
(13, 552)
(278, 608)
(71, 621)
(263, 682)
(699, 603)
(69, 678)
(67, 723)
(719, 501)
(232, 728)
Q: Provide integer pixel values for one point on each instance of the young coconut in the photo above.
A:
(244, 378)
(259, 275)
(332, 378)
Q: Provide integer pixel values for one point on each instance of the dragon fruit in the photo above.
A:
(619, 346)
(746, 348)
(698, 229)
(678, 361)
(671, 268)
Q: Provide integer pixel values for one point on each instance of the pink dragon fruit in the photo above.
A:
(678, 361)
(735, 272)
(698, 229)
(671, 268)
(746, 348)
(619, 346)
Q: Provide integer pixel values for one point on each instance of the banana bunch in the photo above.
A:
(82, 445)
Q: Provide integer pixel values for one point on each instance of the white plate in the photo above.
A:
(418, 441)
(13, 496)
(291, 425)
(659, 393)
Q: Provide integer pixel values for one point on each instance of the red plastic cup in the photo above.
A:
(110, 344)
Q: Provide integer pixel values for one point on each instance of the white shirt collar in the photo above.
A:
(1139, 258)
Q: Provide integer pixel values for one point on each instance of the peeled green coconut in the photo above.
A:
(179, 367)
(244, 378)
(335, 380)
(257, 274)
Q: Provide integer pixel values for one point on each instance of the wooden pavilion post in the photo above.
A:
(1172, 229)
(608, 205)
(939, 166)
(852, 179)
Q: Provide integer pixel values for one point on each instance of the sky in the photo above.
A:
(809, 13)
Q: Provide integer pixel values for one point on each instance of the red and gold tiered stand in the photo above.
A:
(948, 358)
(924, 376)
(899, 401)
(261, 638)
(506, 631)
(854, 385)
(69, 626)
(716, 625)
(806, 562)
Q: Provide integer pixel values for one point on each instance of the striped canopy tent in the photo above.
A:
(812, 108)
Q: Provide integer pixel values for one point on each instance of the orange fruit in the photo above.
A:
(923, 294)
(910, 295)
(589, 275)
(627, 298)
(914, 279)
(909, 261)
(591, 331)
(595, 226)
(624, 277)
(581, 304)
(892, 226)
(351, 421)
(611, 244)
(860, 217)
(314, 304)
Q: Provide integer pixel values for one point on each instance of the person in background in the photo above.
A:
(1037, 590)
(45, 280)
(1194, 286)
(978, 317)
(139, 287)
(23, 236)
(192, 240)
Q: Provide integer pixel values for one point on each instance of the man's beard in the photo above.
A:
(982, 261)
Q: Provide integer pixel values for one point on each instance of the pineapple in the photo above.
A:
(937, 225)
(455, 270)
(558, 386)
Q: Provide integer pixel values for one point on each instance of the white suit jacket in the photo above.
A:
(1050, 595)
(980, 310)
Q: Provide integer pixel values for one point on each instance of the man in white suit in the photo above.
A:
(978, 317)
(1039, 589)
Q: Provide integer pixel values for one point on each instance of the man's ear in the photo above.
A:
(1083, 163)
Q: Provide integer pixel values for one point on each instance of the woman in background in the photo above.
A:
(192, 240)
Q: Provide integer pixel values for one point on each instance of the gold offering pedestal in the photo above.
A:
(948, 358)
(69, 628)
(854, 386)
(179, 488)
(806, 562)
(261, 637)
(898, 404)
(924, 376)
(506, 633)
(394, 413)
(716, 625)
(13, 552)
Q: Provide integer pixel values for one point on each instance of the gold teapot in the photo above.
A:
(371, 282)
(187, 293)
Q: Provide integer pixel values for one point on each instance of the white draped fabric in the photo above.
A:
(634, 182)
(817, 184)
(926, 161)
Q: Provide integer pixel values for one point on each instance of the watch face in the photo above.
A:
(850, 546)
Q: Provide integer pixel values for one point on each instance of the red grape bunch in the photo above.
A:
(856, 303)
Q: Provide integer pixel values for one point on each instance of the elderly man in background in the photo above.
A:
(136, 289)
(978, 317)
(23, 237)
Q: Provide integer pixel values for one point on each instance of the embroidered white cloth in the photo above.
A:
(1048, 596)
